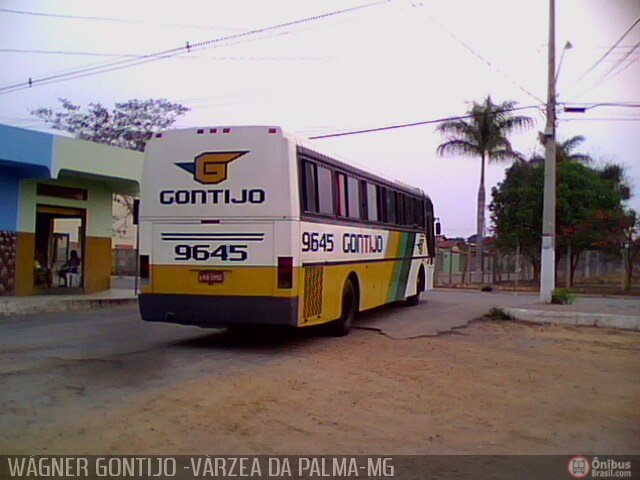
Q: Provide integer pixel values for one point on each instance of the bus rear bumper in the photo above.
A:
(218, 311)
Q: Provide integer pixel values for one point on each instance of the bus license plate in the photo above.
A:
(211, 276)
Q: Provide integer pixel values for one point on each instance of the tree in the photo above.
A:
(128, 124)
(516, 211)
(565, 151)
(589, 209)
(484, 135)
(631, 246)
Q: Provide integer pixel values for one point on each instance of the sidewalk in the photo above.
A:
(608, 312)
(34, 304)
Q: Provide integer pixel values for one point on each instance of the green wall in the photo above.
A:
(98, 205)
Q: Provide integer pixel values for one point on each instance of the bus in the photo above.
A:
(249, 225)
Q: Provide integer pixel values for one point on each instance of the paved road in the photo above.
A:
(103, 379)
(50, 363)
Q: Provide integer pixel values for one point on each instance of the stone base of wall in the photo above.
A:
(7, 262)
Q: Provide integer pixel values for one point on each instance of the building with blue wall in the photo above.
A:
(56, 195)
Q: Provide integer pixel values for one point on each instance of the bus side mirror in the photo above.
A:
(136, 210)
(437, 228)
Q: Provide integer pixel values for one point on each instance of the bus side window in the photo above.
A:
(419, 210)
(408, 211)
(341, 180)
(325, 190)
(353, 197)
(372, 203)
(399, 208)
(310, 192)
(364, 211)
(391, 207)
(381, 194)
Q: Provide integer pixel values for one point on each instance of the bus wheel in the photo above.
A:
(414, 300)
(342, 326)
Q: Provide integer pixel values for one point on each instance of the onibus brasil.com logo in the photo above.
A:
(580, 467)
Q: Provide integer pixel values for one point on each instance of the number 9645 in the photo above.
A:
(202, 253)
(316, 242)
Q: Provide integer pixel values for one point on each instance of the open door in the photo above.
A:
(59, 250)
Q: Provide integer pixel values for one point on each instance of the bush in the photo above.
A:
(498, 314)
(561, 296)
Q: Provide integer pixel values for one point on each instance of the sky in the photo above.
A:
(387, 63)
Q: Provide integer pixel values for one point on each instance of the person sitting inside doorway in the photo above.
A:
(72, 266)
(42, 275)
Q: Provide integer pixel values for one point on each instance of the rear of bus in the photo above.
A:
(217, 217)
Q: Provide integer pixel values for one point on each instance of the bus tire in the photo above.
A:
(342, 326)
(414, 300)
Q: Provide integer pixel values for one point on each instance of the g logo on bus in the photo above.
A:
(210, 168)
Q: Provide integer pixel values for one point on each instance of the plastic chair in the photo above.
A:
(73, 279)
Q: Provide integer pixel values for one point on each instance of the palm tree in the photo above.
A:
(483, 134)
(565, 151)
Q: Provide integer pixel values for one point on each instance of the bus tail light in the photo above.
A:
(144, 266)
(285, 272)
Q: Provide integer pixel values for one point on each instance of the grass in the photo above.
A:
(498, 314)
(562, 296)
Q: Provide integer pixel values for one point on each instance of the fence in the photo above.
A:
(458, 266)
(124, 261)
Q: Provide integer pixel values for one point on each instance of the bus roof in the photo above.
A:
(311, 149)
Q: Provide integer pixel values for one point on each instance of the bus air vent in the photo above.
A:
(313, 280)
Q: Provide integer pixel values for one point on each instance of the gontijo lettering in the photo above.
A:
(212, 197)
(359, 243)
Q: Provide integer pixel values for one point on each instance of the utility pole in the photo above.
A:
(548, 253)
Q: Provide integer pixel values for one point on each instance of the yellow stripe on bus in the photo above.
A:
(373, 281)
(240, 281)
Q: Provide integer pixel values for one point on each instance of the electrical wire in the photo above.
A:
(602, 119)
(131, 55)
(622, 37)
(116, 20)
(105, 68)
(485, 60)
(616, 65)
(414, 124)
(627, 65)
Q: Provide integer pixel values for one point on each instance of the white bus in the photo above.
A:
(249, 226)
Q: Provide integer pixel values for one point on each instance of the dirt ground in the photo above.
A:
(494, 387)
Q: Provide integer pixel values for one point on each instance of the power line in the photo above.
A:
(132, 55)
(608, 75)
(616, 65)
(601, 119)
(68, 52)
(610, 49)
(582, 107)
(414, 124)
(116, 20)
(481, 57)
(633, 103)
(118, 65)
(628, 64)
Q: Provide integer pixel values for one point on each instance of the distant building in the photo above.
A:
(56, 195)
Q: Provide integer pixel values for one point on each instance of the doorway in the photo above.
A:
(59, 250)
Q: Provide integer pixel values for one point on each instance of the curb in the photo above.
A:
(603, 320)
(51, 305)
